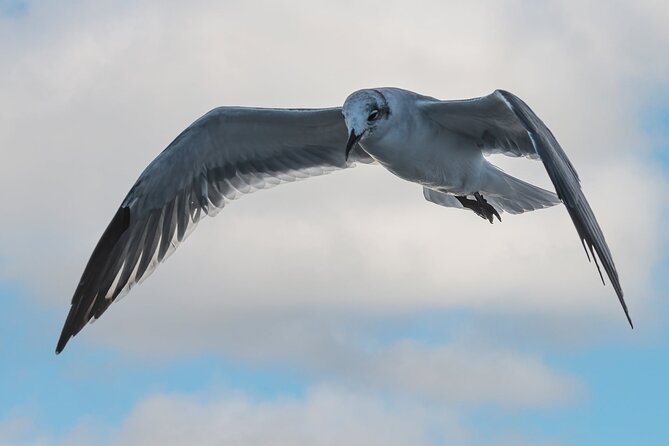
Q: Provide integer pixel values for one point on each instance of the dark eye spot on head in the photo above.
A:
(372, 116)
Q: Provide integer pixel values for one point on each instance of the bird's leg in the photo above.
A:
(486, 208)
(480, 206)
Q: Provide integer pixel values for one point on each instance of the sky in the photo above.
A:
(344, 309)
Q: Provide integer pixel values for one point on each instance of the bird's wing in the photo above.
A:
(490, 120)
(229, 152)
(502, 123)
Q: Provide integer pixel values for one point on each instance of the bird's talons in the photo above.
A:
(480, 206)
(486, 208)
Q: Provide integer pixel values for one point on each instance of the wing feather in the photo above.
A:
(502, 123)
(227, 153)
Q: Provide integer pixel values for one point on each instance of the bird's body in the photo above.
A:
(421, 151)
(414, 145)
(438, 160)
(232, 151)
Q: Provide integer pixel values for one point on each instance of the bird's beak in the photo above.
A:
(352, 139)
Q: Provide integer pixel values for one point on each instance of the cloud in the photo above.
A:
(14, 430)
(341, 350)
(454, 375)
(324, 416)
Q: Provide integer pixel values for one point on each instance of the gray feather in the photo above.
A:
(227, 153)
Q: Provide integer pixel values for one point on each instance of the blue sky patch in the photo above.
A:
(13, 8)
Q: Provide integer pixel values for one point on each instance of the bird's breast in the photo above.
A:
(446, 164)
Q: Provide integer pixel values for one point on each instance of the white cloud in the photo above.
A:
(340, 350)
(325, 416)
(455, 375)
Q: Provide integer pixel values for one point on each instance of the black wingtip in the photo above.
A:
(629, 319)
(627, 313)
(621, 299)
(83, 308)
(69, 329)
(62, 342)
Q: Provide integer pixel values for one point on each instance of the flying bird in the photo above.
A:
(233, 151)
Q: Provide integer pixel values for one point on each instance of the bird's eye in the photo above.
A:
(373, 115)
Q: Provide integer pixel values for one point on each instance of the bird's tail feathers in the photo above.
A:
(515, 196)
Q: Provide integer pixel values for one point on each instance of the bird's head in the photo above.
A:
(365, 112)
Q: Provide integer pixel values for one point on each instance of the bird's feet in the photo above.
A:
(480, 206)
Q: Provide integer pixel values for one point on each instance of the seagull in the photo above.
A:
(233, 151)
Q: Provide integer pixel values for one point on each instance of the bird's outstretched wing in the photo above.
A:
(229, 152)
(502, 123)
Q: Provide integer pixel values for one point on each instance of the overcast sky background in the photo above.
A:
(344, 309)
